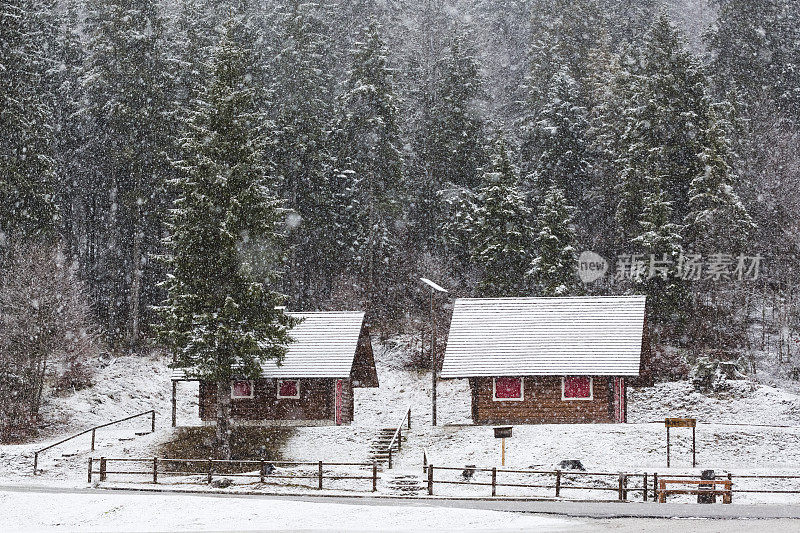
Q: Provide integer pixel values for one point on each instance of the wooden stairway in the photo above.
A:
(379, 450)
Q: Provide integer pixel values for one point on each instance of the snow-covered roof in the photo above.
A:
(593, 335)
(324, 346)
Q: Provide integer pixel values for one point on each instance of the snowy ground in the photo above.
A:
(132, 384)
(117, 512)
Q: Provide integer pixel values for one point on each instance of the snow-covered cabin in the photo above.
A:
(546, 360)
(331, 354)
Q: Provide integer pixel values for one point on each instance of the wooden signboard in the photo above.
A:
(503, 433)
(680, 422)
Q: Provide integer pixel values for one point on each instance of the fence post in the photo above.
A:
(409, 418)
(155, 469)
(558, 483)
(35, 462)
(390, 457)
(621, 490)
(263, 471)
(90, 469)
(625, 487)
(424, 462)
(210, 469)
(494, 481)
(655, 486)
(153, 421)
(102, 469)
(730, 494)
(399, 437)
(430, 479)
(93, 439)
(645, 488)
(374, 475)
(320, 474)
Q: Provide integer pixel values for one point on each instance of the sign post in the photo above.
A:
(682, 423)
(503, 433)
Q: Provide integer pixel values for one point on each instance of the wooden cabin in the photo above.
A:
(330, 356)
(546, 360)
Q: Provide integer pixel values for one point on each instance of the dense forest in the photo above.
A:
(360, 145)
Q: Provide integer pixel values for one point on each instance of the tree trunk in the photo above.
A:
(136, 283)
(223, 437)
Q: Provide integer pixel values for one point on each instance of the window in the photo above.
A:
(242, 389)
(577, 388)
(288, 388)
(508, 389)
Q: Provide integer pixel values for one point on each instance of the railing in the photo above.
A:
(151, 412)
(266, 469)
(623, 484)
(398, 435)
(620, 483)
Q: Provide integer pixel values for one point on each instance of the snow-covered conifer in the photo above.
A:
(502, 228)
(225, 244)
(554, 271)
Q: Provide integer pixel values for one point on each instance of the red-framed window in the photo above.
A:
(577, 388)
(242, 389)
(508, 389)
(288, 388)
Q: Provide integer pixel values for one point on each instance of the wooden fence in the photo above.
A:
(623, 484)
(263, 470)
(626, 486)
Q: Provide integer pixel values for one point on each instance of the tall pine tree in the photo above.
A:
(554, 270)
(502, 230)
(369, 157)
(127, 90)
(26, 164)
(220, 318)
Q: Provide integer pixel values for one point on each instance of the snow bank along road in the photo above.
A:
(37, 509)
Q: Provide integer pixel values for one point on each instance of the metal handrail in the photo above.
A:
(151, 412)
(398, 435)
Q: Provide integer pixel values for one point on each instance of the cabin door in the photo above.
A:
(620, 407)
(338, 402)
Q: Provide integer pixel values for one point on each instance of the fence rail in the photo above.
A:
(93, 430)
(621, 481)
(625, 484)
(156, 466)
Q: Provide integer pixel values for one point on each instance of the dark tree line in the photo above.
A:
(487, 143)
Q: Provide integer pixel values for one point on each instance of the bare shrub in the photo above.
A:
(45, 329)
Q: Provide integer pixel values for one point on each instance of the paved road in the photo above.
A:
(566, 508)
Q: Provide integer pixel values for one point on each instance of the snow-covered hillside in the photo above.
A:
(132, 384)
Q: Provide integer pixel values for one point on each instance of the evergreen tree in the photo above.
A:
(659, 242)
(127, 91)
(717, 220)
(554, 269)
(609, 90)
(71, 189)
(502, 231)
(303, 110)
(668, 109)
(448, 145)
(26, 165)
(220, 317)
(560, 140)
(369, 157)
(755, 46)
